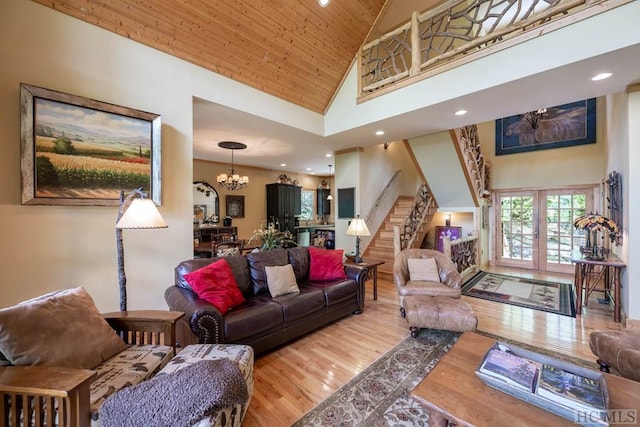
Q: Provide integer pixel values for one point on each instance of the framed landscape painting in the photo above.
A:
(554, 127)
(79, 151)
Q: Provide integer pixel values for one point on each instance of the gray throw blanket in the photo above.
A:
(180, 398)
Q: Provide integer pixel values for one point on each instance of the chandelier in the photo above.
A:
(232, 181)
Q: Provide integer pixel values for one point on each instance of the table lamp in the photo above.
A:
(136, 212)
(358, 228)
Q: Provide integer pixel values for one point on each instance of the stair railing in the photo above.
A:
(408, 229)
(383, 193)
(477, 169)
(464, 252)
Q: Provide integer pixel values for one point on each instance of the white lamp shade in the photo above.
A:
(142, 213)
(358, 228)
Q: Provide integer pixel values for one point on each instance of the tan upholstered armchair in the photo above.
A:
(449, 279)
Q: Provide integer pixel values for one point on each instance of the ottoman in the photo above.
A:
(242, 355)
(451, 314)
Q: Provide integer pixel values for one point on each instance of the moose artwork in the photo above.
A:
(553, 127)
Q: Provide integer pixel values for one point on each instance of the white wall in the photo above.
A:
(582, 164)
(625, 150)
(546, 52)
(52, 247)
(440, 165)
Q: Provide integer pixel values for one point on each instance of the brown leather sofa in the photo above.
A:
(261, 321)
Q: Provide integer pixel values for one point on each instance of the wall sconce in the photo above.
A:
(447, 220)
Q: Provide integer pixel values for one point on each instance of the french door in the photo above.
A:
(535, 227)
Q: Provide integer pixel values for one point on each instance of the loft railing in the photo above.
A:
(476, 167)
(459, 31)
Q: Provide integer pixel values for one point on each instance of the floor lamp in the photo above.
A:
(136, 212)
(358, 228)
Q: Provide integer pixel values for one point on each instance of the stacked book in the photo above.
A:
(570, 391)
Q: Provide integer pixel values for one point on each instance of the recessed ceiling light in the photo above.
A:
(328, 155)
(283, 164)
(460, 112)
(601, 76)
(323, 3)
(308, 169)
(379, 132)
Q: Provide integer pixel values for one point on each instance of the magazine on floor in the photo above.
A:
(565, 389)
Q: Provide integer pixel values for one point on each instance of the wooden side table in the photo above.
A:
(372, 271)
(611, 268)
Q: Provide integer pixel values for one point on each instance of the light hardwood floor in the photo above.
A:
(293, 379)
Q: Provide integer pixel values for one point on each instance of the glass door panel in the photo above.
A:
(517, 229)
(525, 216)
(561, 238)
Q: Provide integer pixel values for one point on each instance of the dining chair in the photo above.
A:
(227, 248)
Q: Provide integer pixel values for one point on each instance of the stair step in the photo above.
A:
(383, 243)
(380, 253)
(386, 234)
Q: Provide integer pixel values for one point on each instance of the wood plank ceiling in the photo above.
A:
(292, 49)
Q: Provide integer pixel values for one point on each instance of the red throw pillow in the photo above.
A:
(215, 284)
(326, 264)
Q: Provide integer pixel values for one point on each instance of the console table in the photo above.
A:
(587, 277)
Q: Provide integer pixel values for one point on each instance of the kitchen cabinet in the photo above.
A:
(283, 204)
(323, 206)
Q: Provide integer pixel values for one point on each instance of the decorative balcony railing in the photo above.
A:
(459, 31)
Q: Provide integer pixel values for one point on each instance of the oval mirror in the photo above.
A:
(206, 204)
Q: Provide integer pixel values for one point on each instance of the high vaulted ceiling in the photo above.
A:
(297, 51)
(294, 50)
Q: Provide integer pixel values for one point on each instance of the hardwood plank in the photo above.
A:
(293, 379)
(296, 51)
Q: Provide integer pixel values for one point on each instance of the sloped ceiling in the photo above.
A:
(299, 52)
(294, 50)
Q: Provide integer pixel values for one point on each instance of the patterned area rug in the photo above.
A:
(536, 294)
(381, 394)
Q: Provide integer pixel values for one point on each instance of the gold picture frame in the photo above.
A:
(79, 151)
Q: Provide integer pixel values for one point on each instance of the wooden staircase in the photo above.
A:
(381, 245)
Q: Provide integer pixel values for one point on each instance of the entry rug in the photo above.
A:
(530, 293)
(381, 394)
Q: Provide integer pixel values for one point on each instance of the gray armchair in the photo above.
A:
(448, 286)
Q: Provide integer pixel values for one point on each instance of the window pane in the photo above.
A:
(306, 205)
